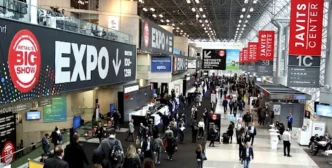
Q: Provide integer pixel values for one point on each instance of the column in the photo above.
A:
(121, 15)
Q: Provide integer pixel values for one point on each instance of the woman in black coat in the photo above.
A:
(230, 131)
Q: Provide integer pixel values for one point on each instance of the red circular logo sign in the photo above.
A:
(221, 53)
(24, 61)
(146, 34)
(7, 152)
(214, 117)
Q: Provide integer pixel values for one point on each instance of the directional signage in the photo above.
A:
(214, 59)
(265, 53)
(36, 66)
(155, 39)
(305, 42)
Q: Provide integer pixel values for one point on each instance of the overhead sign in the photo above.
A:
(161, 64)
(180, 64)
(130, 88)
(155, 39)
(305, 43)
(252, 59)
(22, 107)
(245, 59)
(214, 59)
(265, 53)
(192, 64)
(8, 134)
(62, 62)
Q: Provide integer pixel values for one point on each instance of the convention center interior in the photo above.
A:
(165, 84)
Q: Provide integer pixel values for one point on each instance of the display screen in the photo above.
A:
(112, 107)
(259, 79)
(323, 110)
(33, 115)
(76, 122)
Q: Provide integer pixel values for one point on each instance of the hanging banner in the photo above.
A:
(265, 53)
(245, 59)
(305, 43)
(232, 59)
(241, 59)
(252, 52)
(214, 59)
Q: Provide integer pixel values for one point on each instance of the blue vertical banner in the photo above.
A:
(161, 64)
(232, 59)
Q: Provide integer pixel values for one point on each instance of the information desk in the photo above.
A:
(274, 140)
(139, 115)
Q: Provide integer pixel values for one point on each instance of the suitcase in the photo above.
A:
(225, 138)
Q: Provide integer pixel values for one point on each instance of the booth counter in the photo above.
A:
(309, 129)
(139, 116)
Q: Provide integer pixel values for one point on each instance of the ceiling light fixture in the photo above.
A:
(255, 1)
(244, 25)
(193, 9)
(181, 30)
(160, 15)
(206, 21)
(204, 16)
(204, 28)
(154, 15)
(243, 9)
(162, 20)
(246, 1)
(251, 9)
(173, 24)
(246, 21)
(145, 9)
(248, 16)
(242, 28)
(197, 16)
(241, 16)
(237, 28)
(238, 25)
(209, 28)
(202, 25)
(167, 20)
(152, 9)
(177, 28)
(197, 1)
(240, 21)
(201, 9)
(188, 1)
(200, 21)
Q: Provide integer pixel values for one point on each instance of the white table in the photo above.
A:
(274, 140)
(328, 152)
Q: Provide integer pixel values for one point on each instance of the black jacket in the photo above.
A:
(245, 156)
(55, 137)
(75, 156)
(55, 162)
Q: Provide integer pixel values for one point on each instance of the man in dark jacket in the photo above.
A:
(147, 147)
(46, 145)
(247, 155)
(56, 161)
(55, 137)
(252, 132)
(74, 154)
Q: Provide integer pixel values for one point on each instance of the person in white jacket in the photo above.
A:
(201, 127)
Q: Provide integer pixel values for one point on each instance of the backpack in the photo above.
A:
(115, 154)
(156, 146)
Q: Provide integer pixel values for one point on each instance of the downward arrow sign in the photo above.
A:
(117, 64)
(207, 54)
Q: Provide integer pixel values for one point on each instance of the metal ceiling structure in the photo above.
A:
(206, 20)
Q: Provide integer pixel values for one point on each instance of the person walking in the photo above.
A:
(252, 133)
(247, 155)
(224, 104)
(200, 156)
(290, 119)
(46, 144)
(132, 159)
(194, 131)
(100, 131)
(74, 154)
(213, 135)
(286, 136)
(171, 147)
(56, 161)
(131, 130)
(201, 127)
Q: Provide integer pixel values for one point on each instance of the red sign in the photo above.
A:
(214, 117)
(306, 26)
(245, 55)
(24, 59)
(252, 48)
(265, 45)
(7, 153)
(241, 57)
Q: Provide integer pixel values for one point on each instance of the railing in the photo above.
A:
(16, 10)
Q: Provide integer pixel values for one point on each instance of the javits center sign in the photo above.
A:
(305, 43)
(43, 61)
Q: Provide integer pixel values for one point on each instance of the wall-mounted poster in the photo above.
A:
(8, 134)
(57, 111)
(232, 59)
(214, 59)
(276, 109)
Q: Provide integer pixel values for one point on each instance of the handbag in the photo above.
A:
(203, 156)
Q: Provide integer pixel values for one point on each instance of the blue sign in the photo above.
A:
(176, 51)
(161, 64)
